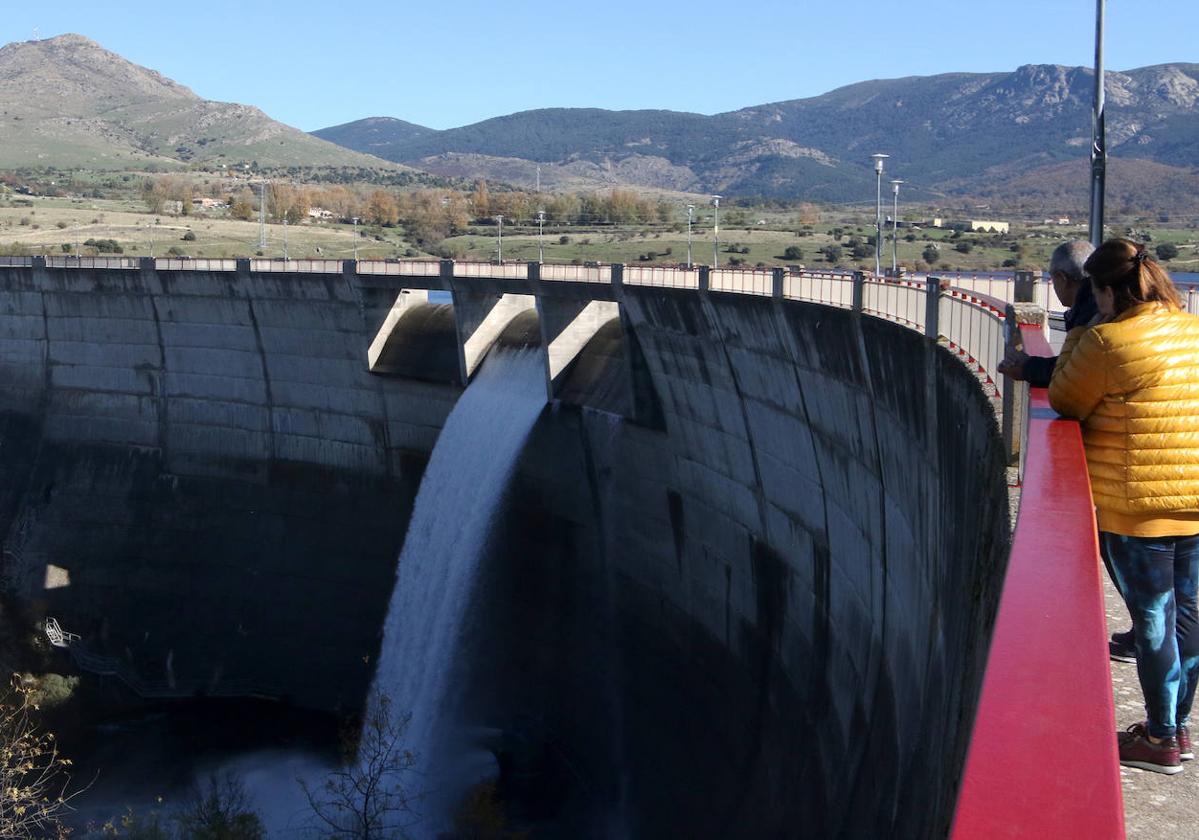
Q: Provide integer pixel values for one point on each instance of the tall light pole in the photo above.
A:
(284, 239)
(355, 239)
(878, 212)
(1098, 136)
(499, 249)
(540, 236)
(895, 230)
(262, 216)
(716, 232)
(690, 215)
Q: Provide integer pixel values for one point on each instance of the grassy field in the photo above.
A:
(42, 225)
(45, 225)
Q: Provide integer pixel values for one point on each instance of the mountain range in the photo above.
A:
(1005, 139)
(1001, 135)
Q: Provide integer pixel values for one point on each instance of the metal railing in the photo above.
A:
(492, 271)
(901, 301)
(973, 325)
(661, 276)
(91, 262)
(189, 264)
(400, 268)
(742, 281)
(570, 273)
(827, 287)
(297, 266)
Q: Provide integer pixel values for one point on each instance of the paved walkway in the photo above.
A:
(1155, 806)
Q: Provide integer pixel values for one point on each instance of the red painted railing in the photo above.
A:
(1042, 760)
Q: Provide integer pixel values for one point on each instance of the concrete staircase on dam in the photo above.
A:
(625, 340)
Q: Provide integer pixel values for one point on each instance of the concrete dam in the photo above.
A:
(741, 581)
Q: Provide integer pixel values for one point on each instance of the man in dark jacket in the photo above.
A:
(1073, 288)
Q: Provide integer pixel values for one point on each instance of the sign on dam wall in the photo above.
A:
(745, 587)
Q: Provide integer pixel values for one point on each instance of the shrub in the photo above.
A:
(105, 246)
(793, 252)
(1166, 251)
(564, 239)
(189, 237)
(930, 255)
(963, 247)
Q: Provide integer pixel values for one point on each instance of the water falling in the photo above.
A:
(456, 505)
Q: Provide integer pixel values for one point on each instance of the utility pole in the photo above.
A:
(355, 239)
(1098, 136)
(540, 236)
(895, 231)
(716, 231)
(878, 212)
(262, 216)
(284, 239)
(690, 214)
(499, 248)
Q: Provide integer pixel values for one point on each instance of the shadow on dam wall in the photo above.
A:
(770, 617)
(762, 612)
(199, 476)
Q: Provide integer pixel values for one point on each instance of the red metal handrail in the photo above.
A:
(1042, 760)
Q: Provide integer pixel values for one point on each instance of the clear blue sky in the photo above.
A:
(454, 62)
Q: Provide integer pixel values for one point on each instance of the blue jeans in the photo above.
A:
(1157, 577)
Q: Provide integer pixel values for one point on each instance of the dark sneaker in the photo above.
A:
(1183, 736)
(1122, 647)
(1136, 750)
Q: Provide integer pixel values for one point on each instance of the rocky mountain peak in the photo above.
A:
(72, 75)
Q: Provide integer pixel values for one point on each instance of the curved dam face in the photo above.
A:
(770, 616)
(200, 477)
(761, 608)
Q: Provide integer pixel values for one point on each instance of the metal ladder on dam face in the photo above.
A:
(110, 666)
(58, 637)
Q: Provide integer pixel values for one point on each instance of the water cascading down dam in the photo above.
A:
(739, 578)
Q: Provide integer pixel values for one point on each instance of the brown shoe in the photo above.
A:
(1183, 736)
(1136, 750)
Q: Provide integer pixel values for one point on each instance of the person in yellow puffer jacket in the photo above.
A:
(1133, 382)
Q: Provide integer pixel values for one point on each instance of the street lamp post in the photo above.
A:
(499, 248)
(355, 239)
(895, 230)
(690, 215)
(878, 212)
(716, 232)
(540, 236)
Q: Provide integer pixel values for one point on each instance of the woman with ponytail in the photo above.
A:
(1133, 382)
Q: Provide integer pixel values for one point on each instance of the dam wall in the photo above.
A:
(200, 476)
(742, 586)
(768, 616)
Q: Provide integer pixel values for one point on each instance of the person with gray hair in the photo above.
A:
(1072, 287)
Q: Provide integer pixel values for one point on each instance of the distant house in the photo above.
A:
(989, 225)
(205, 203)
(986, 225)
(320, 214)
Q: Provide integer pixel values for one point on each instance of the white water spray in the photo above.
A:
(456, 506)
